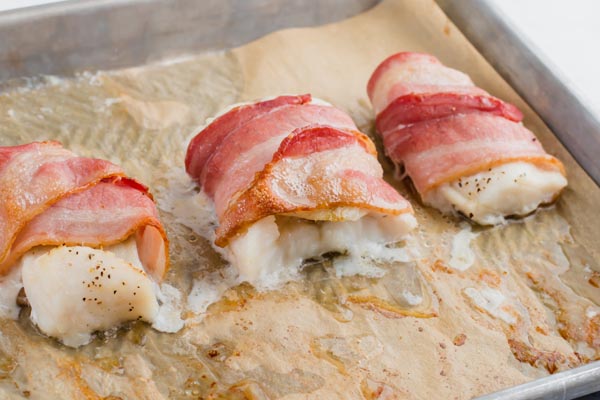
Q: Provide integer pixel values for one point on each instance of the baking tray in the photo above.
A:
(105, 34)
(96, 34)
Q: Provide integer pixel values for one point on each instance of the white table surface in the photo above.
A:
(566, 31)
(12, 4)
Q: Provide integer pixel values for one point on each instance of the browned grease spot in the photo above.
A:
(541, 330)
(108, 364)
(320, 352)
(244, 390)
(574, 325)
(552, 361)
(7, 366)
(374, 390)
(595, 279)
(386, 309)
(593, 332)
(447, 29)
(490, 277)
(440, 266)
(459, 339)
(234, 299)
(197, 386)
(71, 372)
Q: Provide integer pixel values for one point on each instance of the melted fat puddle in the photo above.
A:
(461, 255)
(193, 209)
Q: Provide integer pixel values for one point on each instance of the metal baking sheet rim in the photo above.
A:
(533, 77)
(573, 123)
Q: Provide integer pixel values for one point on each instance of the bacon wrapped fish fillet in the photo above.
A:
(85, 240)
(292, 178)
(465, 151)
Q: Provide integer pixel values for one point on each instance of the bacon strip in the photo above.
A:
(437, 124)
(290, 158)
(442, 150)
(410, 87)
(202, 147)
(49, 196)
(247, 149)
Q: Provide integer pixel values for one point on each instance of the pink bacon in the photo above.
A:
(410, 87)
(437, 124)
(49, 196)
(248, 175)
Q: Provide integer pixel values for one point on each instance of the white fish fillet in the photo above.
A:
(488, 197)
(75, 291)
(277, 246)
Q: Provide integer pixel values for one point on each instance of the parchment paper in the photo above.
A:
(525, 305)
